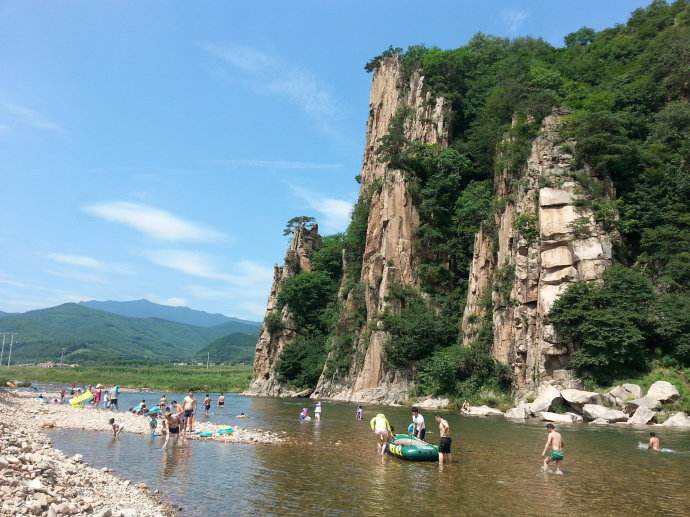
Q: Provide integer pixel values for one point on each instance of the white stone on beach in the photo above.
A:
(679, 419)
(663, 391)
(546, 397)
(596, 411)
(643, 415)
(483, 411)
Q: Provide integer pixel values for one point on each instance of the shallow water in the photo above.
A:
(496, 469)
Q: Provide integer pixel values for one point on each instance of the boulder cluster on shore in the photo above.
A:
(37, 479)
(624, 404)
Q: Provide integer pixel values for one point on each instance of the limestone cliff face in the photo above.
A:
(393, 220)
(278, 329)
(546, 238)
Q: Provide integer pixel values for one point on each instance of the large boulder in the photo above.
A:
(483, 411)
(649, 402)
(643, 415)
(679, 419)
(565, 418)
(546, 397)
(626, 392)
(599, 421)
(433, 403)
(520, 412)
(663, 391)
(578, 398)
(594, 411)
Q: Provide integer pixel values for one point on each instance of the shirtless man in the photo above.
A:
(221, 400)
(445, 440)
(189, 406)
(556, 444)
(654, 442)
(171, 426)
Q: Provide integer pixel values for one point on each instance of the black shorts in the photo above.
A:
(221, 403)
(174, 431)
(420, 434)
(444, 445)
(207, 408)
(188, 413)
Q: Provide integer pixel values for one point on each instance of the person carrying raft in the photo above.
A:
(383, 430)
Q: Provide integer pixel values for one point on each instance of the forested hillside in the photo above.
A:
(620, 106)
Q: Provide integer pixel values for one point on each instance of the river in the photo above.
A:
(330, 467)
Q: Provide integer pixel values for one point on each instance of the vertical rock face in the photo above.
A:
(393, 220)
(272, 341)
(547, 238)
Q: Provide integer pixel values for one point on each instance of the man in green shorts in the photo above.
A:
(556, 444)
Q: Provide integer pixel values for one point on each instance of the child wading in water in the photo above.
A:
(153, 423)
(117, 428)
(556, 443)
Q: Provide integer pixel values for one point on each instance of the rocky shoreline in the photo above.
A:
(63, 416)
(622, 405)
(37, 479)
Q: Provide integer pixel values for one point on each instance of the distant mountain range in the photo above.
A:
(147, 309)
(101, 334)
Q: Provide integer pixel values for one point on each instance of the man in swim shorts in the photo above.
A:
(171, 427)
(189, 405)
(207, 404)
(556, 444)
(380, 425)
(654, 442)
(444, 440)
(221, 400)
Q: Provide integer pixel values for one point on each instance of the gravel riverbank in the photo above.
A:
(36, 479)
(64, 416)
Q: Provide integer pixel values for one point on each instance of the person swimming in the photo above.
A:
(654, 442)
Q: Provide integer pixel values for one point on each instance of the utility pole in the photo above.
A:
(2, 353)
(208, 358)
(9, 356)
(62, 357)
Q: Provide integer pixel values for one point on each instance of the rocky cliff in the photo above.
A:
(393, 219)
(546, 237)
(278, 330)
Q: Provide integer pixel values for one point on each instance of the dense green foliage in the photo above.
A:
(168, 378)
(97, 337)
(233, 348)
(627, 90)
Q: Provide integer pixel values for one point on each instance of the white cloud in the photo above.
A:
(334, 214)
(153, 222)
(273, 76)
(513, 18)
(28, 117)
(175, 301)
(77, 260)
(277, 164)
(245, 273)
(76, 275)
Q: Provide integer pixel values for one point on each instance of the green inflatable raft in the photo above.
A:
(413, 449)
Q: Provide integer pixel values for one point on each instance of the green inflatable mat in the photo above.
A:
(413, 449)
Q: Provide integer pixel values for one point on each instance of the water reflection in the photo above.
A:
(331, 468)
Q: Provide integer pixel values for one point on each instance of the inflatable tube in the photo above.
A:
(204, 434)
(225, 431)
(410, 448)
(223, 427)
(79, 400)
(154, 410)
(410, 429)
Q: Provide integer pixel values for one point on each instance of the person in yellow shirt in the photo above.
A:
(380, 425)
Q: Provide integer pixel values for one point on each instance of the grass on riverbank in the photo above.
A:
(169, 378)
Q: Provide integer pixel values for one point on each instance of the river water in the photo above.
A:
(330, 467)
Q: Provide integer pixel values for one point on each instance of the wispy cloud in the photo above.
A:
(271, 75)
(154, 222)
(334, 214)
(88, 263)
(513, 18)
(244, 274)
(29, 117)
(79, 276)
(277, 164)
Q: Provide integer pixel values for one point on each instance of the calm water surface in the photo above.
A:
(330, 468)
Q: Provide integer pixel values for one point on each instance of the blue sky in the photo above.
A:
(156, 149)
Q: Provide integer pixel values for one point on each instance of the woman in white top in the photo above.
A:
(418, 422)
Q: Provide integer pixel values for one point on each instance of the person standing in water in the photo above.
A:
(317, 411)
(380, 425)
(162, 402)
(207, 404)
(114, 395)
(189, 405)
(418, 424)
(221, 400)
(360, 413)
(556, 444)
(444, 440)
(654, 442)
